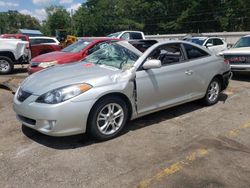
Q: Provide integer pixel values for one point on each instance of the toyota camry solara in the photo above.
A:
(118, 83)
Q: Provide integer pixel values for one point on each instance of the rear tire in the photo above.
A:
(6, 65)
(107, 118)
(213, 92)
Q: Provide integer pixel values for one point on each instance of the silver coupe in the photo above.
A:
(118, 83)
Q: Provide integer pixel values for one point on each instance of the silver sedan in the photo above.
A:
(118, 83)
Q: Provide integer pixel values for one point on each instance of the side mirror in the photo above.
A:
(209, 45)
(152, 64)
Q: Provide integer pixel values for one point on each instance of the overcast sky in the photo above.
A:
(36, 8)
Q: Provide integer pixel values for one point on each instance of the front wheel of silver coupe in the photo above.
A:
(213, 92)
(107, 118)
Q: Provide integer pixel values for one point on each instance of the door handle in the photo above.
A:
(189, 72)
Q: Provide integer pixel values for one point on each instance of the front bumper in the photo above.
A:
(240, 68)
(64, 119)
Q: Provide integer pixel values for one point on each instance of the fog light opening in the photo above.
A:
(49, 124)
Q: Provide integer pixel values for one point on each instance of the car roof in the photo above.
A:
(202, 38)
(98, 39)
(42, 37)
(9, 35)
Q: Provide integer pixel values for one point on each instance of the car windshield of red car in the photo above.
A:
(77, 46)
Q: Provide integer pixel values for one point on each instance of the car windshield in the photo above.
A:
(115, 35)
(198, 41)
(77, 46)
(243, 42)
(113, 55)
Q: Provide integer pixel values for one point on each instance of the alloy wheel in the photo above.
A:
(110, 118)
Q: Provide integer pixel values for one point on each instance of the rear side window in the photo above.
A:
(47, 41)
(193, 52)
(33, 41)
(218, 42)
(135, 36)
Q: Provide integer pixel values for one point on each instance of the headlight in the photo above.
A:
(47, 64)
(62, 94)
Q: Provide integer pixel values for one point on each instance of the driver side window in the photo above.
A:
(168, 54)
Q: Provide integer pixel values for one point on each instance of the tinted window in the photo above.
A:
(136, 36)
(194, 52)
(210, 41)
(47, 41)
(199, 41)
(218, 42)
(168, 54)
(33, 41)
(142, 45)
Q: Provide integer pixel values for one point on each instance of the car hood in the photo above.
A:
(54, 56)
(63, 75)
(235, 51)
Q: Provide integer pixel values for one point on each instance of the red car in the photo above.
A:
(72, 53)
(35, 49)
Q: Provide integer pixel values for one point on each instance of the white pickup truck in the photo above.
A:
(128, 35)
(13, 51)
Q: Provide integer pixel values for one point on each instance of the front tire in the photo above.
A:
(213, 92)
(6, 65)
(107, 118)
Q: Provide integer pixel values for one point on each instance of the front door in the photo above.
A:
(171, 84)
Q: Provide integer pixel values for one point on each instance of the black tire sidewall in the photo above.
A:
(206, 100)
(92, 128)
(11, 65)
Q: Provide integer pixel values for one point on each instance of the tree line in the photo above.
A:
(101, 17)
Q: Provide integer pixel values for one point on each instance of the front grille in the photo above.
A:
(27, 120)
(22, 95)
(238, 59)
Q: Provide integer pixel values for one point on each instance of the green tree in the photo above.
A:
(57, 18)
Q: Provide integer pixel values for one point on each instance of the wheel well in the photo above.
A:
(120, 95)
(8, 54)
(220, 78)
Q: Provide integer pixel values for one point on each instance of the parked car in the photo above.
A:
(15, 36)
(239, 55)
(39, 49)
(37, 45)
(75, 52)
(43, 40)
(214, 44)
(118, 83)
(12, 51)
(128, 35)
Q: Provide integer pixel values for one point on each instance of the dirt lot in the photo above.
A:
(187, 146)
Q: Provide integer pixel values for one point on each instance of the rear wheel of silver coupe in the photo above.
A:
(6, 65)
(107, 118)
(213, 92)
